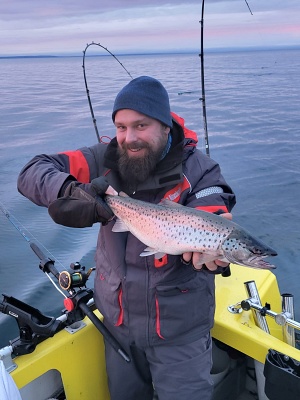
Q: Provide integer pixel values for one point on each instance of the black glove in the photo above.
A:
(81, 204)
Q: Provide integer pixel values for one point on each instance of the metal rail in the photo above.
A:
(282, 319)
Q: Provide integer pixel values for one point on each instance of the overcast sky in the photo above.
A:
(66, 26)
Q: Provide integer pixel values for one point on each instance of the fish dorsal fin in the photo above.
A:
(119, 226)
(169, 203)
(123, 194)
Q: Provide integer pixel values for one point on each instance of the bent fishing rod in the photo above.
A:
(86, 84)
(72, 281)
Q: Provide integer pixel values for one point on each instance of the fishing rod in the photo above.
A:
(31, 322)
(32, 240)
(203, 99)
(86, 84)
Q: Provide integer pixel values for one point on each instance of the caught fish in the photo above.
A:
(169, 228)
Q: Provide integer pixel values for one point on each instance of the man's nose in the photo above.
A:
(130, 135)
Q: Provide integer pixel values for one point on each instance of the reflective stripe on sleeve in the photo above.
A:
(209, 191)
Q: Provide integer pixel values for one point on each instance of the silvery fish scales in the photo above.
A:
(168, 228)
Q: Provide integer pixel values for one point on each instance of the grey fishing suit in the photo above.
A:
(162, 310)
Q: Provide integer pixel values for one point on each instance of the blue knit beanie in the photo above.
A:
(147, 96)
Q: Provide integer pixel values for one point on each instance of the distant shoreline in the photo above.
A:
(211, 50)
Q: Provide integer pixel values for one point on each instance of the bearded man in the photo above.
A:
(160, 310)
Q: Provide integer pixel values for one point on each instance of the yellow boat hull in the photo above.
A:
(78, 358)
(239, 330)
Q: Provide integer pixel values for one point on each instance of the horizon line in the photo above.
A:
(159, 52)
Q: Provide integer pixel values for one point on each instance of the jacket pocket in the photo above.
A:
(109, 298)
(181, 308)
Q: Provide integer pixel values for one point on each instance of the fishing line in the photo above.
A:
(248, 7)
(55, 285)
(100, 139)
(29, 237)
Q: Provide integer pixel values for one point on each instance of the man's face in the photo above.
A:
(141, 142)
(137, 133)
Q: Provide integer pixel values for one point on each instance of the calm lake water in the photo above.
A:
(253, 104)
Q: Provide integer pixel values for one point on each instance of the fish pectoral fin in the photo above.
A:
(158, 255)
(149, 251)
(119, 226)
(111, 191)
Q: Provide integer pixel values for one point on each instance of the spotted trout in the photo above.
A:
(169, 228)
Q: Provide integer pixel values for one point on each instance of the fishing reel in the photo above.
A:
(76, 277)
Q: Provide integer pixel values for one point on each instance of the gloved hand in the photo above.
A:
(81, 204)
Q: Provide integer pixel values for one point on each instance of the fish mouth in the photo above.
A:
(258, 262)
(253, 262)
(243, 249)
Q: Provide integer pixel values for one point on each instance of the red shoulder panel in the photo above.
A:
(78, 166)
(188, 133)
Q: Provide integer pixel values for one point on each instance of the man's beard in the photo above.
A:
(134, 170)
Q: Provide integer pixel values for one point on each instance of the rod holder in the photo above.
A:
(288, 310)
(252, 292)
